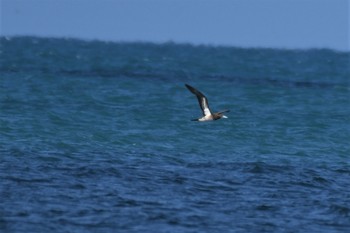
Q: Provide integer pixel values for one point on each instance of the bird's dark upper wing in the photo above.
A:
(202, 100)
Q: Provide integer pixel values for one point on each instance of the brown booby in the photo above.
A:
(203, 103)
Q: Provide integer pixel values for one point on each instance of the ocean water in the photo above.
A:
(96, 137)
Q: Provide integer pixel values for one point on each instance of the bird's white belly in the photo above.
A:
(206, 118)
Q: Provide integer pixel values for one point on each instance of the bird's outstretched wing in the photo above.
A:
(202, 100)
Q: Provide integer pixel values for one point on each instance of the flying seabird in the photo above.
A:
(203, 103)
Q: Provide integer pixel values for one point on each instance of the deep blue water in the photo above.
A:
(97, 137)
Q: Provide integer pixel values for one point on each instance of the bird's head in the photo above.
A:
(221, 114)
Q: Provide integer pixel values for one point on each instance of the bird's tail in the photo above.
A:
(194, 120)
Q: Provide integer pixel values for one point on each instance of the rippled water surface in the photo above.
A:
(97, 137)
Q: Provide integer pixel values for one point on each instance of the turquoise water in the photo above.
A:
(97, 137)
